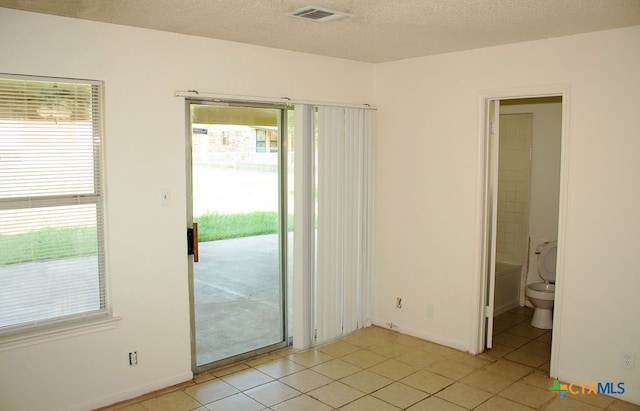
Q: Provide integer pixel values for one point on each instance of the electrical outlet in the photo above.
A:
(398, 302)
(628, 360)
(133, 358)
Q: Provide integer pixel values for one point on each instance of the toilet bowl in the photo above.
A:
(542, 294)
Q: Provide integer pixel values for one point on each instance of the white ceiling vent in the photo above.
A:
(318, 14)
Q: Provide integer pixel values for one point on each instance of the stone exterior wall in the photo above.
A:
(234, 146)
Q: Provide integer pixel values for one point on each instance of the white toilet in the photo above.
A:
(542, 294)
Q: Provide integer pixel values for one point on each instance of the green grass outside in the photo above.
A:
(214, 226)
(61, 242)
(47, 244)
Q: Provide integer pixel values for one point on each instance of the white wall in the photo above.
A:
(545, 175)
(427, 198)
(145, 152)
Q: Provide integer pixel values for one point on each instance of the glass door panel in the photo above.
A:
(238, 298)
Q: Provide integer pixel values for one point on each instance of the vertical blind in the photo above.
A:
(304, 237)
(51, 203)
(344, 238)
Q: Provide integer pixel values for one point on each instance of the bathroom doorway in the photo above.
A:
(524, 140)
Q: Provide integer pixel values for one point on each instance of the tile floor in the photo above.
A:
(379, 369)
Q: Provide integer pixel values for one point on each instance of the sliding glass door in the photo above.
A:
(237, 169)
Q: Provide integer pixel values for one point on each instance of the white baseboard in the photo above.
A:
(132, 392)
(425, 335)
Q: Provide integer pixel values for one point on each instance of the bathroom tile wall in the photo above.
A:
(513, 187)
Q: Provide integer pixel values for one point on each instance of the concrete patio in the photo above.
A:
(237, 297)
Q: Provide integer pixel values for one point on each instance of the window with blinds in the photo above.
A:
(52, 264)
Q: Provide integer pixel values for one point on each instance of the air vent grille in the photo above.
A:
(313, 14)
(318, 14)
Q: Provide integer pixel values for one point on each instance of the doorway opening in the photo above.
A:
(524, 150)
(238, 197)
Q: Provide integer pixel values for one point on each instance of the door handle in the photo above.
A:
(196, 254)
(192, 242)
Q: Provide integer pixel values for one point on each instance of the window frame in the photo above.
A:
(85, 321)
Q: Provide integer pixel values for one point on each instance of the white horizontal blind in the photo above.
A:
(344, 254)
(51, 204)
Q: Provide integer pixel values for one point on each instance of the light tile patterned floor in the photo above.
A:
(379, 369)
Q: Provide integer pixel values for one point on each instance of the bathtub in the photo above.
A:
(507, 290)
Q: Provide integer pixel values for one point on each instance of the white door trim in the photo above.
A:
(482, 276)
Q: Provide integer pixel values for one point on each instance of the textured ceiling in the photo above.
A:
(377, 31)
